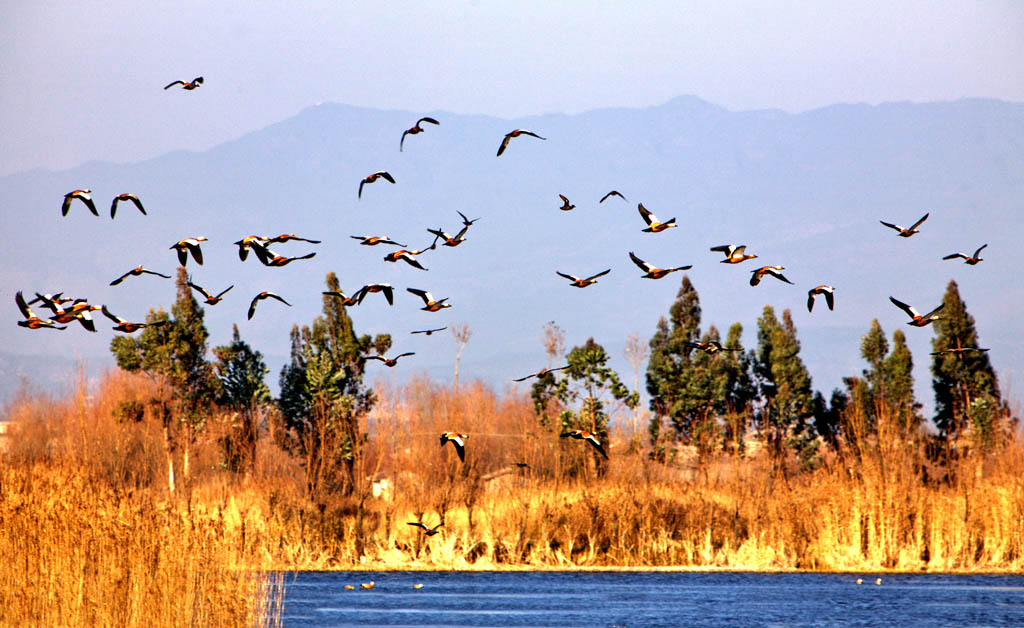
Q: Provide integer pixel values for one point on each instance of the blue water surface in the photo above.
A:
(635, 599)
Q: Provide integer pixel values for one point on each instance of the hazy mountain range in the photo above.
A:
(805, 191)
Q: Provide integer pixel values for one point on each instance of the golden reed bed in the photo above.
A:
(90, 535)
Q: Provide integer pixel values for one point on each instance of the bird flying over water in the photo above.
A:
(82, 195)
(906, 232)
(583, 283)
(126, 197)
(825, 290)
(970, 260)
(653, 224)
(590, 437)
(187, 85)
(916, 319)
(652, 271)
(135, 272)
(516, 133)
(415, 130)
(458, 442)
(261, 296)
(380, 174)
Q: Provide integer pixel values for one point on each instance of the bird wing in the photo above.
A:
(113, 205)
(427, 119)
(645, 214)
(523, 379)
(66, 205)
(274, 296)
(170, 85)
(728, 249)
(182, 253)
(120, 279)
(200, 289)
(531, 134)
(224, 291)
(564, 200)
(197, 253)
(918, 223)
(252, 305)
(829, 300)
(569, 277)
(401, 144)
(387, 176)
(153, 272)
(597, 445)
(978, 252)
(263, 254)
(20, 300)
(935, 311)
(138, 203)
(810, 300)
(600, 274)
(911, 312)
(954, 256)
(891, 226)
(504, 144)
(423, 294)
(361, 184)
(755, 277)
(778, 275)
(417, 524)
(111, 315)
(92, 206)
(644, 266)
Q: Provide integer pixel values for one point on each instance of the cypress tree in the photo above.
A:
(242, 374)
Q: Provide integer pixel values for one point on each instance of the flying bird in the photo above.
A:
(135, 272)
(388, 362)
(409, 257)
(129, 328)
(189, 245)
(774, 271)
(612, 193)
(447, 239)
(264, 295)
(431, 304)
(375, 240)
(970, 260)
(426, 531)
(516, 133)
(466, 221)
(733, 254)
(381, 174)
(210, 299)
(710, 347)
(270, 258)
(31, 320)
(345, 301)
(246, 243)
(825, 290)
(415, 130)
(287, 237)
(82, 195)
(652, 271)
(653, 224)
(427, 332)
(959, 351)
(187, 85)
(126, 197)
(908, 231)
(541, 373)
(916, 319)
(566, 206)
(389, 292)
(79, 311)
(590, 437)
(458, 442)
(583, 283)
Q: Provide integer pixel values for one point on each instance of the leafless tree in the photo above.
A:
(636, 352)
(554, 342)
(462, 333)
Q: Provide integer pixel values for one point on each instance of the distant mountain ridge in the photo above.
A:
(803, 190)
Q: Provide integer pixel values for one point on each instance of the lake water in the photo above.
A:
(635, 599)
(643, 598)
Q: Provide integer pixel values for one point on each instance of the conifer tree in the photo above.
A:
(671, 362)
(243, 389)
(323, 397)
(899, 381)
(965, 384)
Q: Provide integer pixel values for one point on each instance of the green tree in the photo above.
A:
(174, 354)
(670, 365)
(899, 382)
(965, 384)
(784, 387)
(586, 384)
(243, 390)
(323, 398)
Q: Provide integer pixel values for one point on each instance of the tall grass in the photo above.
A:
(85, 512)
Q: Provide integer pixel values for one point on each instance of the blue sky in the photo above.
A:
(81, 81)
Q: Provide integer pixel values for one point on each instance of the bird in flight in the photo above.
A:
(82, 195)
(566, 206)
(583, 283)
(380, 174)
(264, 295)
(652, 271)
(187, 85)
(458, 442)
(774, 271)
(246, 243)
(426, 531)
(287, 237)
(135, 272)
(270, 258)
(541, 373)
(409, 257)
(450, 240)
(189, 245)
(653, 224)
(710, 347)
(210, 299)
(369, 288)
(612, 193)
(129, 328)
(466, 221)
(825, 290)
(916, 319)
(126, 197)
(432, 305)
(590, 437)
(908, 231)
(428, 332)
(79, 311)
(516, 133)
(345, 301)
(733, 254)
(389, 362)
(415, 129)
(959, 351)
(970, 260)
(31, 320)
(375, 240)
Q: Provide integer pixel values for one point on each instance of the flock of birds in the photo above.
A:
(66, 310)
